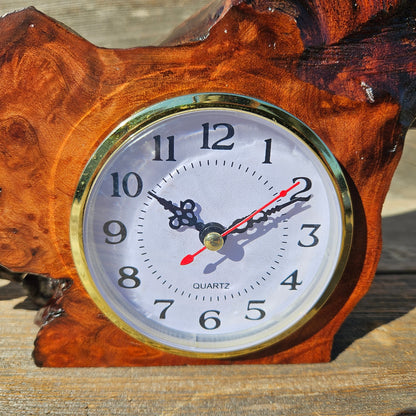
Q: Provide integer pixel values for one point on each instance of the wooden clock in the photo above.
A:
(214, 200)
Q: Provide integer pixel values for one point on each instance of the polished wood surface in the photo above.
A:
(372, 371)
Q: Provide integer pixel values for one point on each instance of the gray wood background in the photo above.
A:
(117, 23)
(373, 371)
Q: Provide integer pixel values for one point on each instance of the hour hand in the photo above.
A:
(183, 215)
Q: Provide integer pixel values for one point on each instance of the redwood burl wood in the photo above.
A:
(345, 68)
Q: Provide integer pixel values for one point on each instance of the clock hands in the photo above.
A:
(212, 235)
(183, 215)
(214, 243)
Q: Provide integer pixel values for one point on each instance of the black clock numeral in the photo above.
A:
(268, 151)
(131, 185)
(259, 314)
(171, 148)
(307, 187)
(217, 146)
(314, 240)
(116, 230)
(210, 322)
(292, 281)
(170, 302)
(129, 279)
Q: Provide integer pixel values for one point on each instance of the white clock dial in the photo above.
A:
(175, 179)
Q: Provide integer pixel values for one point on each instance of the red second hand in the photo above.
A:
(189, 258)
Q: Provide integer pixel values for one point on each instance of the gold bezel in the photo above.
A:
(142, 119)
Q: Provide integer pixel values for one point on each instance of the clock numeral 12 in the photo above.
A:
(210, 322)
(216, 145)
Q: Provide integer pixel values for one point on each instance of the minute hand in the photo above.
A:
(246, 219)
(189, 258)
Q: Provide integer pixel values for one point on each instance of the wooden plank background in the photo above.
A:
(373, 371)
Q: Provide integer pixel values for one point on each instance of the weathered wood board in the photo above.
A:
(372, 372)
(115, 24)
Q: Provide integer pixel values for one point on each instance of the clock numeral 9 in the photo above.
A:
(129, 279)
(116, 230)
(216, 145)
(131, 187)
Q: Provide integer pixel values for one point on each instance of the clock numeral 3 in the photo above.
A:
(217, 145)
(315, 240)
(116, 230)
(129, 279)
(292, 281)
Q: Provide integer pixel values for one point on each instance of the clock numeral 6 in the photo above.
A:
(116, 230)
(129, 279)
(210, 322)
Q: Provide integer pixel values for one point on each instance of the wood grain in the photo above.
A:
(59, 105)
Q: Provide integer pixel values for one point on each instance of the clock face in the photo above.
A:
(211, 225)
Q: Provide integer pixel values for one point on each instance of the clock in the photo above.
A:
(214, 200)
(211, 225)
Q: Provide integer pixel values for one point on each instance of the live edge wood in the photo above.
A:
(347, 69)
